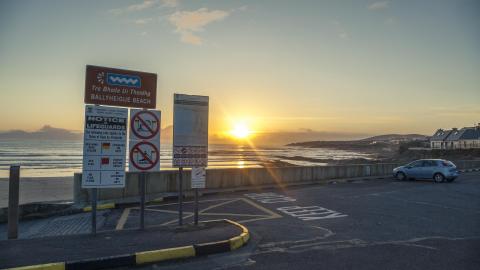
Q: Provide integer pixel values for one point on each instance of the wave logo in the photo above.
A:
(124, 80)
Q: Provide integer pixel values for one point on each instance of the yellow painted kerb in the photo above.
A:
(48, 266)
(236, 242)
(245, 236)
(164, 254)
(100, 207)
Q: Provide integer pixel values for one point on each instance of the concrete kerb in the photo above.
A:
(152, 256)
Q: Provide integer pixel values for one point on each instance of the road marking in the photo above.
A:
(307, 213)
(269, 197)
(269, 214)
(123, 219)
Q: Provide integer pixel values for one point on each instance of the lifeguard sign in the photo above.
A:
(119, 87)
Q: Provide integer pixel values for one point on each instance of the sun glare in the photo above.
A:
(240, 131)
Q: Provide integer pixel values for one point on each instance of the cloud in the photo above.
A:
(170, 3)
(341, 32)
(136, 7)
(142, 21)
(378, 5)
(189, 22)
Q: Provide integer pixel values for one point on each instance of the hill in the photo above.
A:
(396, 137)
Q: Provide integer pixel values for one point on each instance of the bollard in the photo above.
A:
(13, 198)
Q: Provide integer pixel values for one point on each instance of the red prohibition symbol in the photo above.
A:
(148, 158)
(143, 123)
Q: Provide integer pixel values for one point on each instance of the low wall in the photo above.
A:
(164, 182)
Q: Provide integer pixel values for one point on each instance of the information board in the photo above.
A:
(190, 131)
(120, 87)
(104, 147)
(144, 142)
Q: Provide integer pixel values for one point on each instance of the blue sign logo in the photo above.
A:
(124, 80)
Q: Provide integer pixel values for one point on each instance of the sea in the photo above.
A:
(52, 158)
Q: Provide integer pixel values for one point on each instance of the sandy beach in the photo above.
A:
(39, 189)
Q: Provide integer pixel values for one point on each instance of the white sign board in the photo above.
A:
(190, 131)
(104, 147)
(198, 177)
(144, 145)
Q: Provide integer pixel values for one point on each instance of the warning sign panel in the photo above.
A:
(190, 131)
(144, 156)
(144, 125)
(144, 145)
(104, 147)
(198, 177)
(119, 87)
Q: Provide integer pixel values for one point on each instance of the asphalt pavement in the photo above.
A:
(380, 224)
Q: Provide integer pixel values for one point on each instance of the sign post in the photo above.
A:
(94, 210)
(13, 201)
(198, 181)
(104, 146)
(144, 154)
(190, 137)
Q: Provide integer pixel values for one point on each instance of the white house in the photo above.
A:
(464, 138)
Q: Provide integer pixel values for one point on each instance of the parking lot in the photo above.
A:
(380, 224)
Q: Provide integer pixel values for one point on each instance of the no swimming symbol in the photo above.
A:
(145, 125)
(144, 156)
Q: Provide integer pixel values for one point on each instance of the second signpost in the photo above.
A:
(190, 143)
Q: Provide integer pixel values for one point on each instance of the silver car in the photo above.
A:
(437, 169)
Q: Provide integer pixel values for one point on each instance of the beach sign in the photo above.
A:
(120, 87)
(104, 144)
(144, 140)
(198, 177)
(190, 131)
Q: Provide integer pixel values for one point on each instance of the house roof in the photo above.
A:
(471, 134)
(466, 133)
(440, 135)
(455, 134)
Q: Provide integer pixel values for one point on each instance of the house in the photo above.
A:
(437, 141)
(464, 138)
(470, 138)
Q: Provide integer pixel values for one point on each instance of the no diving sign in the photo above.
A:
(144, 143)
(144, 156)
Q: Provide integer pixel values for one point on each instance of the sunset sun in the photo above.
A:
(240, 131)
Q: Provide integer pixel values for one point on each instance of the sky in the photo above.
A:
(366, 67)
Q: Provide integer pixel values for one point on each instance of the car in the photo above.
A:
(438, 170)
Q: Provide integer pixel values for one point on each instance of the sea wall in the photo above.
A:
(165, 183)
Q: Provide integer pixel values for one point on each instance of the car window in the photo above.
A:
(429, 163)
(417, 163)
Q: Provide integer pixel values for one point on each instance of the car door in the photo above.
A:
(414, 169)
(428, 169)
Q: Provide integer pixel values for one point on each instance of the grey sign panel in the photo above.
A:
(190, 131)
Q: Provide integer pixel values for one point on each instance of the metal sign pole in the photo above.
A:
(195, 220)
(13, 198)
(180, 197)
(142, 179)
(94, 210)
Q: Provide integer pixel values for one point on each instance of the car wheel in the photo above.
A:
(438, 178)
(401, 176)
